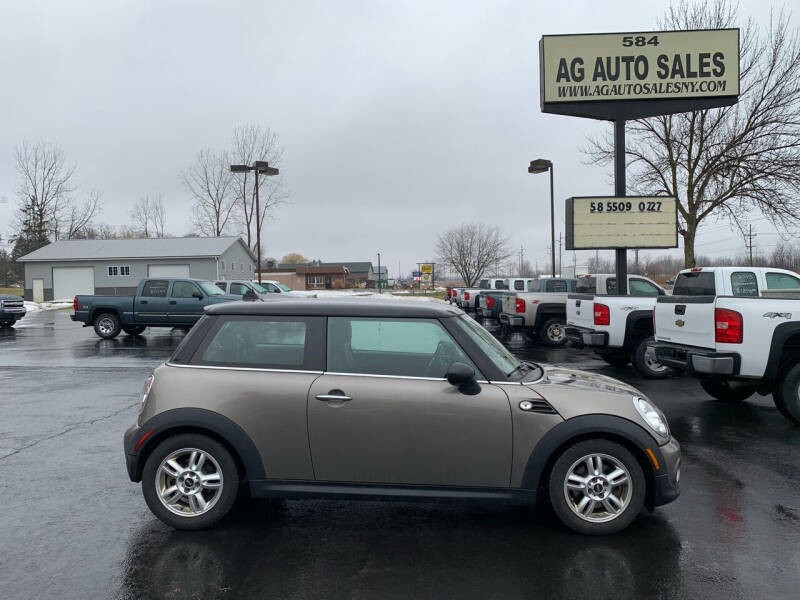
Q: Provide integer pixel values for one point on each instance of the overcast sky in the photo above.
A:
(399, 119)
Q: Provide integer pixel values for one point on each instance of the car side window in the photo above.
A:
(267, 342)
(782, 281)
(183, 289)
(223, 285)
(744, 283)
(385, 346)
(238, 289)
(271, 288)
(519, 284)
(640, 287)
(155, 288)
(611, 285)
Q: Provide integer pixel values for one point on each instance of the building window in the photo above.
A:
(233, 266)
(314, 281)
(241, 265)
(223, 265)
(119, 271)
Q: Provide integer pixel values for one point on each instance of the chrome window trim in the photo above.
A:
(385, 376)
(264, 370)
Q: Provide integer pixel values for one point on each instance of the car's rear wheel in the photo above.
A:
(646, 363)
(133, 329)
(190, 481)
(597, 487)
(728, 391)
(786, 394)
(552, 332)
(107, 325)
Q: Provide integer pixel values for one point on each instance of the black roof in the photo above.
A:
(337, 307)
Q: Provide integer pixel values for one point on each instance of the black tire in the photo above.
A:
(551, 332)
(107, 326)
(786, 394)
(134, 329)
(227, 494)
(728, 391)
(645, 365)
(558, 496)
(616, 360)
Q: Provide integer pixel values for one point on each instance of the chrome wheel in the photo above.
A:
(652, 363)
(189, 482)
(106, 325)
(598, 488)
(555, 332)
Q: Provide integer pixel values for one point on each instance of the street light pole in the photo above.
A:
(259, 167)
(379, 273)
(540, 165)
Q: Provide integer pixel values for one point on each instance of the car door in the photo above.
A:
(384, 414)
(152, 305)
(185, 302)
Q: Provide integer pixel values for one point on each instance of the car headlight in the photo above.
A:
(652, 416)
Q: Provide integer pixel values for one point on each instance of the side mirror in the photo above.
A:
(197, 295)
(250, 296)
(460, 374)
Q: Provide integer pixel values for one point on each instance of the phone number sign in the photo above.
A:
(599, 222)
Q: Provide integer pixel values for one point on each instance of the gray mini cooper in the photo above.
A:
(389, 399)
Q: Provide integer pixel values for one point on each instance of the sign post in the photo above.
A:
(622, 76)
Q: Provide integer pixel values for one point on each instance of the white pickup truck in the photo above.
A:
(467, 298)
(540, 311)
(616, 327)
(737, 329)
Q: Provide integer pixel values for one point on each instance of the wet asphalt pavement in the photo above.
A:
(73, 526)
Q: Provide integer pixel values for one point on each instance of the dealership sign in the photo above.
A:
(638, 74)
(599, 222)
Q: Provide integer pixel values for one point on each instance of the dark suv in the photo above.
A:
(354, 398)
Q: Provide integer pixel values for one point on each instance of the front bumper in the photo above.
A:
(668, 475)
(584, 336)
(129, 440)
(12, 314)
(696, 360)
(512, 321)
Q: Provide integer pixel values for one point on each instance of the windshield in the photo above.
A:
(509, 364)
(259, 288)
(210, 289)
(283, 286)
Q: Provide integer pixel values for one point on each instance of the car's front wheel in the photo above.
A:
(728, 391)
(597, 487)
(190, 481)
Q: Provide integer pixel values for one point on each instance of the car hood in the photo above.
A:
(585, 380)
(9, 297)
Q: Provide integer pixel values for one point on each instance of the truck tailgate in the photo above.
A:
(509, 303)
(685, 320)
(580, 310)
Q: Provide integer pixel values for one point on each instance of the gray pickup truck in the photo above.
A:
(12, 309)
(157, 303)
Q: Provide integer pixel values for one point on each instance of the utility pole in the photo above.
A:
(559, 254)
(750, 237)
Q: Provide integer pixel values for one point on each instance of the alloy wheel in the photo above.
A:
(598, 488)
(189, 482)
(106, 326)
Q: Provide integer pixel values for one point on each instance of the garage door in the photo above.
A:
(68, 282)
(168, 271)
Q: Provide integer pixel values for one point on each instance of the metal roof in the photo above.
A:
(185, 247)
(353, 267)
(356, 307)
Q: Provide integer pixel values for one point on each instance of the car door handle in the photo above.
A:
(329, 397)
(173, 301)
(143, 301)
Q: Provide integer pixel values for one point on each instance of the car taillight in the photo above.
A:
(602, 314)
(75, 303)
(489, 302)
(466, 295)
(727, 326)
(145, 392)
(519, 305)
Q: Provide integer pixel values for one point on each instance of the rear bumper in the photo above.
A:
(512, 321)
(696, 360)
(584, 336)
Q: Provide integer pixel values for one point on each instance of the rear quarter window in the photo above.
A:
(744, 283)
(556, 285)
(697, 283)
(586, 285)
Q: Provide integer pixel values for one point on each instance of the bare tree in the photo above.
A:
(46, 183)
(725, 162)
(148, 216)
(209, 181)
(251, 143)
(79, 220)
(471, 249)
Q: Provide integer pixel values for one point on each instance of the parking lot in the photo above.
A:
(73, 526)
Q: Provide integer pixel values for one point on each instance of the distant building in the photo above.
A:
(64, 269)
(360, 274)
(308, 277)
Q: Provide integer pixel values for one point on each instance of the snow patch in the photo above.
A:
(32, 307)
